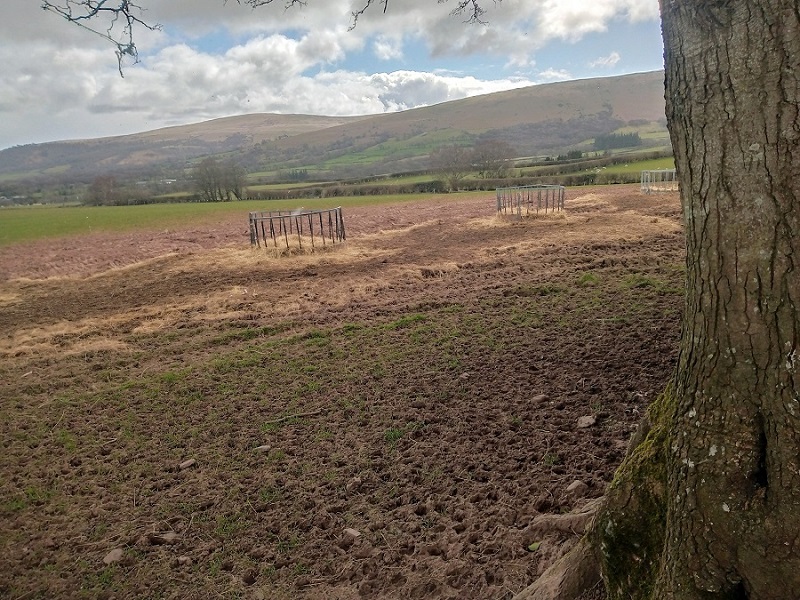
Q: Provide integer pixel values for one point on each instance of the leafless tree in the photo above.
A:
(453, 163)
(103, 191)
(492, 158)
(219, 181)
(113, 20)
(117, 20)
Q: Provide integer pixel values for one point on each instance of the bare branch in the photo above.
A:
(356, 14)
(256, 3)
(472, 8)
(126, 15)
(120, 14)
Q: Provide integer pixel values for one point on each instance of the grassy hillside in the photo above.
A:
(537, 119)
(148, 151)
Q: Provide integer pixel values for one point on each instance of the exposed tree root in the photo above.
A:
(569, 578)
(622, 533)
(573, 523)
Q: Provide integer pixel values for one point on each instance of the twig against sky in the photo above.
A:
(117, 13)
(128, 15)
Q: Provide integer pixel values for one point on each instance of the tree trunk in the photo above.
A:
(733, 520)
(730, 436)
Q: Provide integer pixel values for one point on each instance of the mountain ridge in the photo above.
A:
(540, 118)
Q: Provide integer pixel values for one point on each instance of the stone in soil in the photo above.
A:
(114, 556)
(159, 539)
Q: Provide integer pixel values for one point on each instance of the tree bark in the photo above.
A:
(731, 449)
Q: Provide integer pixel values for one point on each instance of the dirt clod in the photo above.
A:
(49, 543)
(249, 578)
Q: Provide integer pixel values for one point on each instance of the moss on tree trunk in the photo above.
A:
(629, 531)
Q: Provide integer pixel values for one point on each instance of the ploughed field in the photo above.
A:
(184, 417)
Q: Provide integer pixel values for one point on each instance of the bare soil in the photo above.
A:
(182, 416)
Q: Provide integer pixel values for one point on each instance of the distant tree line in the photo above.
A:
(107, 190)
(610, 141)
(296, 175)
(571, 155)
(334, 190)
(490, 159)
(484, 166)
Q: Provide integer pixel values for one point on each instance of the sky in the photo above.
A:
(213, 59)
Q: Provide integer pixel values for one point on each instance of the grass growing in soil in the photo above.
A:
(361, 429)
(363, 378)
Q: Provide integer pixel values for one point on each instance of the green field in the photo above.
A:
(382, 181)
(641, 165)
(32, 223)
(265, 187)
(404, 179)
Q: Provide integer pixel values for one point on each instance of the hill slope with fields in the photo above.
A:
(538, 119)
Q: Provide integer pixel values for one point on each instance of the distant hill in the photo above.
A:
(537, 119)
(160, 147)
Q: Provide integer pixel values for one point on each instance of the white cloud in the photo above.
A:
(573, 19)
(388, 48)
(550, 75)
(606, 61)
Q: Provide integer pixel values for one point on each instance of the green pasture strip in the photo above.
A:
(178, 196)
(378, 181)
(39, 222)
(6, 177)
(651, 129)
(31, 223)
(407, 179)
(256, 176)
(641, 165)
(655, 135)
(262, 187)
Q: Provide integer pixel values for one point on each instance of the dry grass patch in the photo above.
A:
(72, 337)
(592, 200)
(8, 298)
(96, 345)
(244, 258)
(31, 344)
